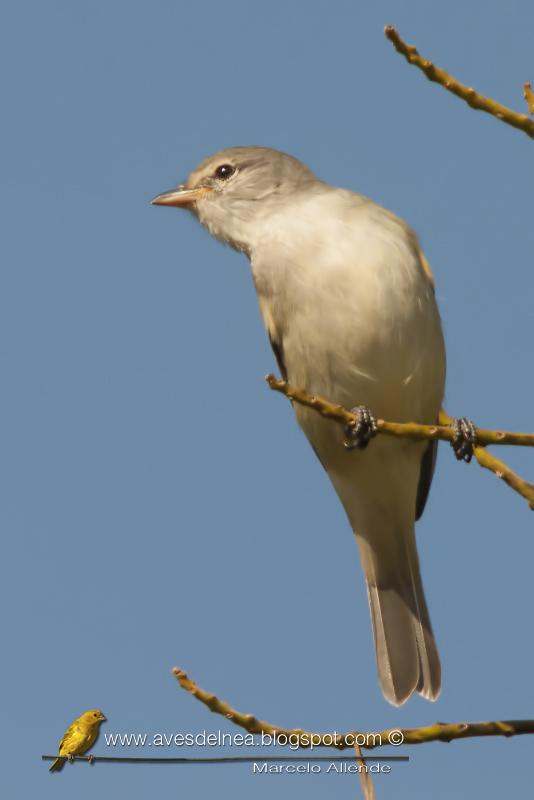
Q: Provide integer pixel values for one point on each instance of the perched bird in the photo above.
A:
(347, 299)
(79, 737)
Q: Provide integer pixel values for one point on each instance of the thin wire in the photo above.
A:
(227, 759)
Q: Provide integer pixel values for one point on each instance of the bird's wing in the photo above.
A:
(77, 739)
(67, 737)
(278, 354)
(426, 267)
(428, 464)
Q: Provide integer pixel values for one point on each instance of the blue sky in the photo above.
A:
(160, 506)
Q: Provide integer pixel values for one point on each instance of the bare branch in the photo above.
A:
(410, 430)
(439, 732)
(414, 430)
(488, 461)
(528, 94)
(520, 121)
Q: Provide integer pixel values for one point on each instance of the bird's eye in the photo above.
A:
(224, 172)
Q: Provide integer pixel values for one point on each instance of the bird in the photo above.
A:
(79, 737)
(348, 301)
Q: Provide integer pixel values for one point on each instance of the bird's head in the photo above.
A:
(233, 191)
(93, 717)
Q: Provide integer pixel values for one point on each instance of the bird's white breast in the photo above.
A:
(342, 289)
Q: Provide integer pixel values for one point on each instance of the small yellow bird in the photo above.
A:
(79, 737)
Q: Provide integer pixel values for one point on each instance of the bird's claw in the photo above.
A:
(465, 439)
(70, 758)
(362, 431)
(91, 759)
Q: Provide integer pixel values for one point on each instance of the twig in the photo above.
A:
(366, 782)
(528, 94)
(439, 732)
(520, 121)
(488, 461)
(410, 430)
(414, 430)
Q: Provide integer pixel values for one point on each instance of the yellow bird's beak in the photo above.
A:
(181, 196)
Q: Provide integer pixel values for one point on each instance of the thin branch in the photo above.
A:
(488, 461)
(528, 94)
(413, 430)
(366, 782)
(520, 121)
(410, 430)
(439, 732)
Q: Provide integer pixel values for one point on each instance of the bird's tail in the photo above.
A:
(57, 764)
(406, 653)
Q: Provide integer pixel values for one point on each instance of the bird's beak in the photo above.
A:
(103, 718)
(181, 196)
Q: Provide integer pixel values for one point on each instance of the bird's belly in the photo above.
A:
(368, 335)
(397, 372)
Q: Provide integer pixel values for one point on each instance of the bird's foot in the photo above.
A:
(465, 439)
(362, 431)
(91, 759)
(70, 757)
